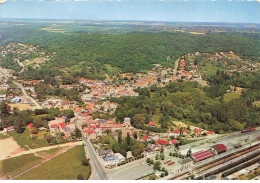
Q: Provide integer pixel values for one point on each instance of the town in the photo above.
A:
(144, 154)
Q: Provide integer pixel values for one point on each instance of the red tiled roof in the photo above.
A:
(163, 142)
(152, 123)
(62, 125)
(176, 131)
(185, 130)
(220, 147)
(201, 155)
(30, 126)
(198, 130)
(174, 141)
(54, 125)
(210, 132)
(145, 138)
(156, 144)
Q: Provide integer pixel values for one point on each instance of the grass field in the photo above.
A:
(207, 68)
(230, 96)
(2, 136)
(51, 151)
(66, 166)
(23, 139)
(16, 165)
(21, 106)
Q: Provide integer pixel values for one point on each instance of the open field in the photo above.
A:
(21, 106)
(16, 165)
(48, 152)
(66, 166)
(8, 146)
(24, 140)
(207, 68)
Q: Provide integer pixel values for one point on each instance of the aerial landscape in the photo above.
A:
(129, 90)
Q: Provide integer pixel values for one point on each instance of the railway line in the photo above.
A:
(218, 161)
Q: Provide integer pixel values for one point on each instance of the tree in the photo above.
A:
(78, 133)
(148, 160)
(135, 135)
(128, 139)
(85, 162)
(5, 109)
(18, 125)
(34, 130)
(162, 174)
(37, 122)
(189, 153)
(157, 165)
(166, 173)
(157, 157)
(80, 177)
(49, 138)
(16, 111)
(162, 156)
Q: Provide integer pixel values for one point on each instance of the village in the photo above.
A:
(96, 97)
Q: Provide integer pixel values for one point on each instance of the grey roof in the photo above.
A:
(105, 152)
(109, 158)
(184, 161)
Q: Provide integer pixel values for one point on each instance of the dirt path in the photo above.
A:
(43, 149)
(63, 150)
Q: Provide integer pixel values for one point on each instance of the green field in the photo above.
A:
(23, 139)
(16, 165)
(50, 151)
(66, 166)
(230, 96)
(208, 68)
(2, 136)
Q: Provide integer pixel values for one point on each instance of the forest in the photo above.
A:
(200, 106)
(134, 52)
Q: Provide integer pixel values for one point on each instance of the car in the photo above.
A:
(214, 141)
(171, 163)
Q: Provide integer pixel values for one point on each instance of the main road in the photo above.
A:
(97, 169)
(37, 105)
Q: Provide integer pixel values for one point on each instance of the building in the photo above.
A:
(220, 148)
(105, 153)
(152, 123)
(201, 155)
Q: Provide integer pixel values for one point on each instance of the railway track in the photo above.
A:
(219, 161)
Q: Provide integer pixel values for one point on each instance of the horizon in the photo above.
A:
(183, 11)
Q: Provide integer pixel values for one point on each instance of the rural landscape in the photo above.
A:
(129, 100)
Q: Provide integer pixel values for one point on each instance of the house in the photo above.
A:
(129, 155)
(174, 133)
(220, 148)
(30, 126)
(174, 141)
(120, 157)
(110, 160)
(198, 131)
(8, 129)
(146, 138)
(16, 100)
(105, 153)
(91, 134)
(162, 142)
(187, 162)
(152, 123)
(210, 133)
(155, 147)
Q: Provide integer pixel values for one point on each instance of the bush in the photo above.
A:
(166, 173)
(162, 174)
(148, 160)
(85, 162)
(80, 177)
(170, 154)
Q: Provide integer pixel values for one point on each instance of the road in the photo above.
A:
(176, 67)
(43, 149)
(37, 106)
(97, 169)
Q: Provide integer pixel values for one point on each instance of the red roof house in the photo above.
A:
(162, 142)
(62, 125)
(210, 132)
(220, 148)
(174, 141)
(30, 126)
(198, 130)
(152, 123)
(54, 126)
(145, 138)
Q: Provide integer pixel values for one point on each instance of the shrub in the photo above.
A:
(166, 173)
(85, 162)
(162, 174)
(80, 177)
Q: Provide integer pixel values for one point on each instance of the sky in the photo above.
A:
(237, 11)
